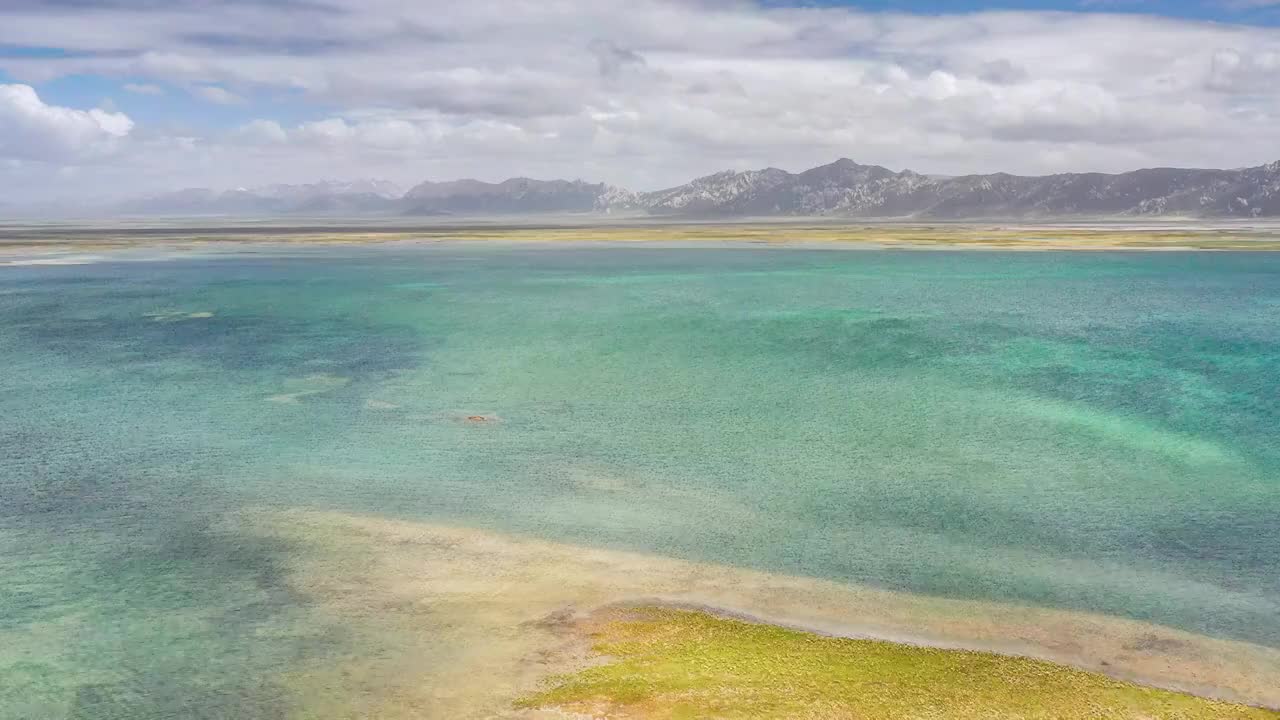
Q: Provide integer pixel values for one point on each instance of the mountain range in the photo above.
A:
(327, 197)
(840, 189)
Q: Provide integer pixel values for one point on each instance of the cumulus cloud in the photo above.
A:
(1235, 71)
(651, 92)
(30, 129)
(262, 131)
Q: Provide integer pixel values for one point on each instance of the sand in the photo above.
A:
(455, 622)
(53, 244)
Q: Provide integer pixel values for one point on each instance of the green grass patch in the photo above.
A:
(667, 663)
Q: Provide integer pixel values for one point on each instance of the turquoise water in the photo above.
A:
(1083, 431)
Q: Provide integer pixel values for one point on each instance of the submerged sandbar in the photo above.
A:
(466, 621)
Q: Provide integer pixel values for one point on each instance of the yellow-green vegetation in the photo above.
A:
(668, 663)
(780, 232)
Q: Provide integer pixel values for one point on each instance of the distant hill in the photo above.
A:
(327, 197)
(517, 195)
(843, 188)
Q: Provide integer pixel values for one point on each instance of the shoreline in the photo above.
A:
(1003, 649)
(43, 245)
(500, 598)
(656, 661)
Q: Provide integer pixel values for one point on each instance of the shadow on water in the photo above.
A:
(155, 607)
(235, 585)
(135, 597)
(237, 342)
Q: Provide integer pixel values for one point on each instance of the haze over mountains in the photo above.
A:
(358, 197)
(840, 189)
(517, 195)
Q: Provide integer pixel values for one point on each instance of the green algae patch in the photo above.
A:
(670, 663)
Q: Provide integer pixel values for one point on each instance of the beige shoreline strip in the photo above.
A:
(463, 621)
(48, 245)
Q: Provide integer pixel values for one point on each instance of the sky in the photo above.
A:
(102, 99)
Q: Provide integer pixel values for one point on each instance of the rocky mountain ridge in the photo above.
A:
(846, 189)
(843, 188)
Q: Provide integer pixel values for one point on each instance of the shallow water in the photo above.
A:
(1091, 432)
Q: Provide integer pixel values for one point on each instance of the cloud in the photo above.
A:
(217, 95)
(262, 131)
(1236, 71)
(33, 130)
(143, 89)
(612, 59)
(650, 92)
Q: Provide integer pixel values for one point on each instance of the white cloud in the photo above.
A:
(143, 89)
(325, 132)
(217, 95)
(262, 131)
(1235, 71)
(30, 129)
(651, 92)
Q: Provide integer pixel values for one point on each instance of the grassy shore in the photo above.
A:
(977, 236)
(670, 663)
(467, 621)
